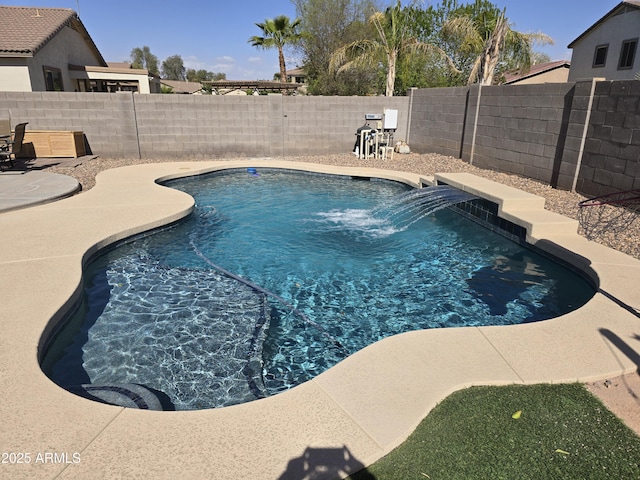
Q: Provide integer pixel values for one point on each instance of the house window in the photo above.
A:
(600, 56)
(53, 79)
(83, 85)
(627, 54)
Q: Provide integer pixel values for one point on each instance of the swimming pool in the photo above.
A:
(158, 313)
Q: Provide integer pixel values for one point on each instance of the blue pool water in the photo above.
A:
(324, 275)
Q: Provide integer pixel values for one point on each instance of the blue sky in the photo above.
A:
(213, 34)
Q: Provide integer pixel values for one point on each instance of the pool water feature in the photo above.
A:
(335, 274)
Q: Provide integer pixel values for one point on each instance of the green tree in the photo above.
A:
(327, 25)
(482, 33)
(393, 41)
(423, 68)
(203, 75)
(205, 78)
(437, 25)
(277, 33)
(143, 58)
(173, 68)
(429, 69)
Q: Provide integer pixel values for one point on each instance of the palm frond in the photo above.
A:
(475, 71)
(413, 46)
(463, 31)
(362, 53)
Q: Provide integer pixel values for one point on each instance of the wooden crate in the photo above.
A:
(53, 143)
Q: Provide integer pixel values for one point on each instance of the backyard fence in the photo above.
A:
(583, 136)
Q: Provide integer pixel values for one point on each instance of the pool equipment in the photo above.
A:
(376, 141)
(253, 172)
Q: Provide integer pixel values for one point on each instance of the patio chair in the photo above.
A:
(11, 148)
(5, 129)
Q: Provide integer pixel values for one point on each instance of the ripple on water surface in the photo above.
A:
(342, 276)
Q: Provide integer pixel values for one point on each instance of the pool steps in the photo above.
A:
(521, 208)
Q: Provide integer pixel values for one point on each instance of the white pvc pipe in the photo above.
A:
(475, 125)
(584, 135)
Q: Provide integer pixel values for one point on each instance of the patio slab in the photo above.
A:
(344, 419)
(20, 189)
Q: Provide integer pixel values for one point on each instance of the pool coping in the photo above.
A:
(344, 419)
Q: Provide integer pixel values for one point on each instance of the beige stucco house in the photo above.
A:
(49, 49)
(608, 49)
(550, 72)
(297, 75)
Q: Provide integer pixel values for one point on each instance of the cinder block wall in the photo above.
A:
(438, 120)
(317, 125)
(611, 158)
(538, 131)
(533, 130)
(185, 126)
(202, 126)
(518, 129)
(107, 120)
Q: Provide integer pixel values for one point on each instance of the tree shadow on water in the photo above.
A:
(325, 464)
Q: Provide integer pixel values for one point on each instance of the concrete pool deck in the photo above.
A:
(344, 419)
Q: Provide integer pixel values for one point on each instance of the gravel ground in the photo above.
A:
(622, 230)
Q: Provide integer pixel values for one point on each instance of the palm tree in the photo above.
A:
(277, 32)
(393, 41)
(490, 39)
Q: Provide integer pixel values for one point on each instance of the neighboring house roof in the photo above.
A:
(120, 65)
(253, 84)
(535, 70)
(26, 30)
(632, 4)
(299, 72)
(110, 69)
(182, 87)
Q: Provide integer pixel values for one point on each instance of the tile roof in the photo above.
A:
(122, 65)
(25, 30)
(182, 87)
(514, 76)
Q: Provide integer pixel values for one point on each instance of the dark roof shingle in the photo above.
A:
(514, 76)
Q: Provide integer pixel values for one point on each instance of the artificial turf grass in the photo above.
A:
(563, 432)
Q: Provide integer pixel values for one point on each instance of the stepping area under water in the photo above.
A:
(213, 357)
